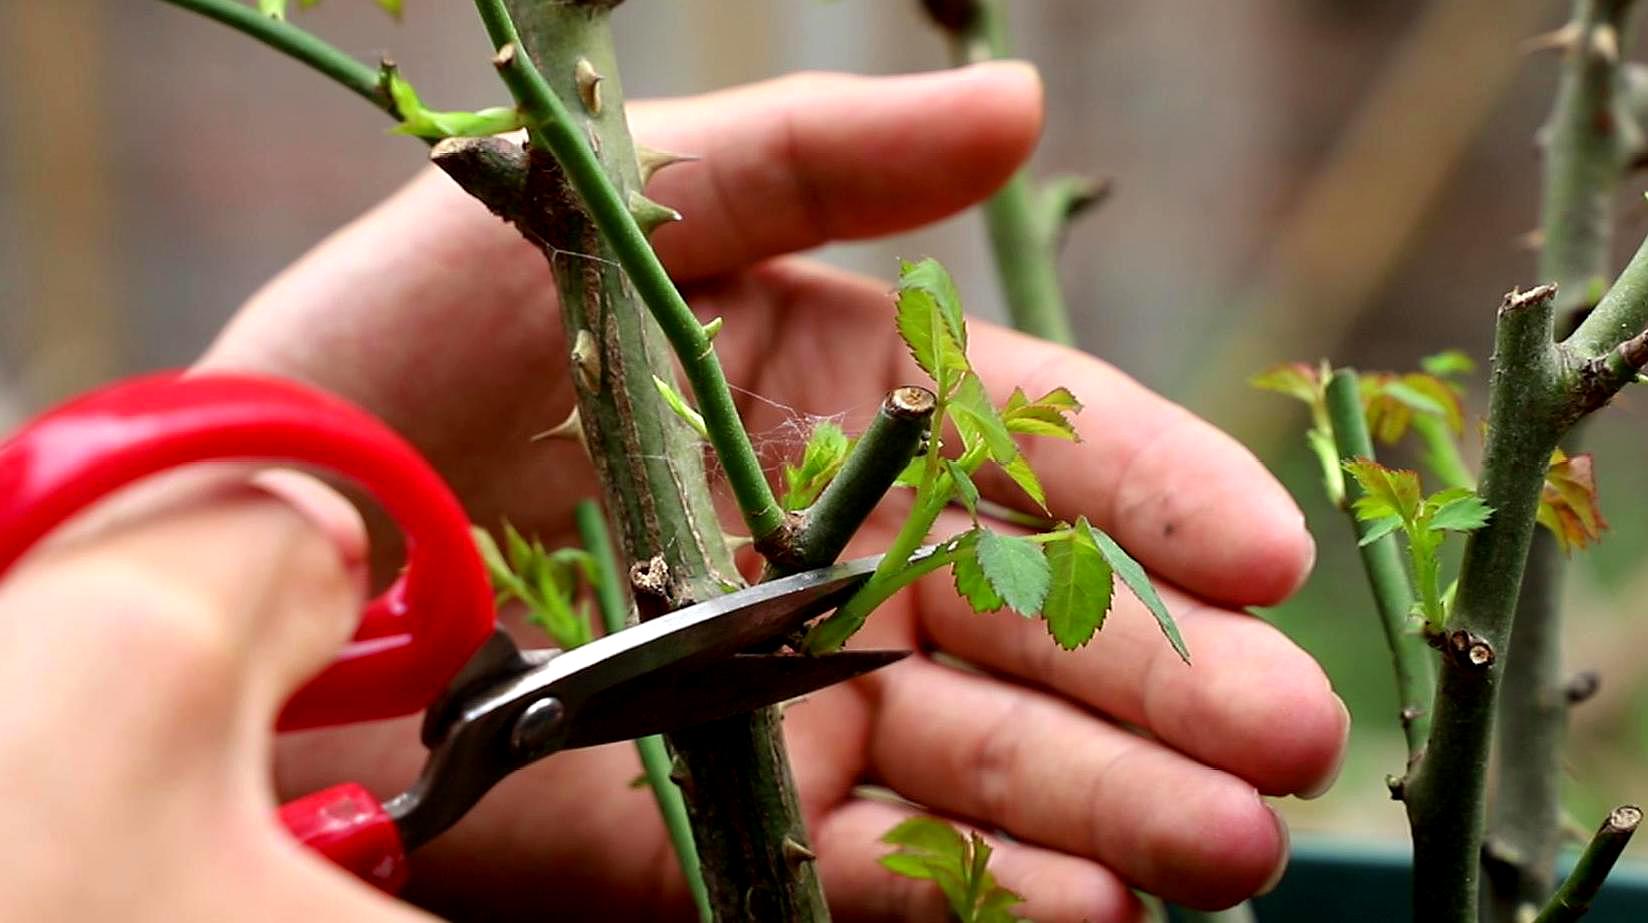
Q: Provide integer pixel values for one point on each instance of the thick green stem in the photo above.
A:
(358, 78)
(888, 444)
(655, 758)
(1574, 898)
(552, 126)
(734, 774)
(1026, 222)
(1445, 791)
(1382, 559)
(1590, 138)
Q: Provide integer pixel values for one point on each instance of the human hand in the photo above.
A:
(143, 659)
(439, 318)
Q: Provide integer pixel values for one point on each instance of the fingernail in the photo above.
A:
(1287, 850)
(325, 509)
(1321, 788)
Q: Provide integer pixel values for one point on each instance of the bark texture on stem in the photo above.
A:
(1445, 791)
(734, 773)
(1387, 576)
(1591, 137)
(652, 751)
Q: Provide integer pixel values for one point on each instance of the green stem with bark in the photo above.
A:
(358, 78)
(655, 758)
(1538, 391)
(1026, 220)
(893, 437)
(1445, 790)
(1574, 898)
(552, 127)
(571, 193)
(1590, 138)
(1382, 559)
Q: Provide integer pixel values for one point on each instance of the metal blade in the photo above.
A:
(662, 702)
(711, 630)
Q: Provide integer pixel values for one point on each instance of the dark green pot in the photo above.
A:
(1348, 881)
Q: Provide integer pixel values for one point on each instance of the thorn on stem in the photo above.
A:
(1582, 686)
(651, 160)
(1563, 39)
(649, 214)
(586, 361)
(713, 327)
(796, 852)
(1398, 786)
(589, 85)
(570, 428)
(1605, 43)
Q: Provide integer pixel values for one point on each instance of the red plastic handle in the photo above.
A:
(411, 640)
(347, 825)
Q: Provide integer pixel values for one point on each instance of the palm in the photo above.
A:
(454, 339)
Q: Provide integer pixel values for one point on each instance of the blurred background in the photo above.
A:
(1294, 179)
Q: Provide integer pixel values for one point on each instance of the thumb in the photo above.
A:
(211, 588)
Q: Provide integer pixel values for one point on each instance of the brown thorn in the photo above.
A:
(1581, 687)
(1562, 39)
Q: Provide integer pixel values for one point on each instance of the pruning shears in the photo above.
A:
(430, 641)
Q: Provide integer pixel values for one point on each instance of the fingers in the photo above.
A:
(1056, 888)
(1192, 504)
(1051, 774)
(792, 163)
(1251, 702)
(206, 606)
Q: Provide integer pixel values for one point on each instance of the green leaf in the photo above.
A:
(978, 422)
(1019, 470)
(1415, 398)
(1134, 576)
(973, 586)
(1295, 379)
(1461, 514)
(966, 490)
(1386, 491)
(1380, 529)
(913, 474)
(392, 7)
(1048, 415)
(682, 409)
(921, 323)
(1016, 569)
(1327, 456)
(1080, 595)
(1448, 363)
(1568, 503)
(521, 553)
(931, 850)
(821, 460)
(931, 276)
(496, 567)
(929, 835)
(418, 121)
